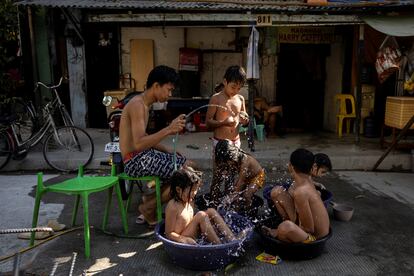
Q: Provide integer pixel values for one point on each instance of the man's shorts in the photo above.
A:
(152, 162)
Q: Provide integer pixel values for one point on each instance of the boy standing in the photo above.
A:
(311, 220)
(226, 110)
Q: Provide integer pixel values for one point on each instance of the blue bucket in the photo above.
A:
(207, 257)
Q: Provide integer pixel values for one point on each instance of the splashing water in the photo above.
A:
(175, 139)
(207, 105)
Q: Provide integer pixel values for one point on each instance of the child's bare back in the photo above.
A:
(312, 214)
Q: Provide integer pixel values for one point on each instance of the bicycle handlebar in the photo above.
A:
(50, 87)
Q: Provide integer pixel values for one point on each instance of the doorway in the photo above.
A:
(102, 69)
(301, 85)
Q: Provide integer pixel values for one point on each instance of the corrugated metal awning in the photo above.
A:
(392, 25)
(222, 5)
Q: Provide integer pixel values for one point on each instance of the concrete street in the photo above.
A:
(377, 241)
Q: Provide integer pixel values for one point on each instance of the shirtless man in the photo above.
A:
(224, 120)
(142, 153)
(311, 221)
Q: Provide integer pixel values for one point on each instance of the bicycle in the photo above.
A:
(64, 148)
(25, 112)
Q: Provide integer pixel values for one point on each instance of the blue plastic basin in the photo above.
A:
(206, 257)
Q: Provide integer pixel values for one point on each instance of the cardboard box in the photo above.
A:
(398, 111)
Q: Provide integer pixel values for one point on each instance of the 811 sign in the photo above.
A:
(263, 20)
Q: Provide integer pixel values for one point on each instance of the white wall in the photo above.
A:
(333, 85)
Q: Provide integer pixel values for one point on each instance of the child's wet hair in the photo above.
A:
(302, 160)
(183, 178)
(323, 160)
(225, 151)
(235, 74)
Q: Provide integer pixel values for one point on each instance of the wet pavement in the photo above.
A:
(377, 241)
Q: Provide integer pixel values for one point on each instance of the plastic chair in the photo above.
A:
(81, 187)
(124, 176)
(343, 114)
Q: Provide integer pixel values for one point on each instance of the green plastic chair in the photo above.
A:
(124, 176)
(81, 186)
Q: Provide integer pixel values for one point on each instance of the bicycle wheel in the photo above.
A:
(5, 149)
(67, 148)
(26, 123)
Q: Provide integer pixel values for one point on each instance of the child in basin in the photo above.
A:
(251, 176)
(310, 220)
(280, 195)
(181, 224)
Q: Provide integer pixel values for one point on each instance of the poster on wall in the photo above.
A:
(306, 35)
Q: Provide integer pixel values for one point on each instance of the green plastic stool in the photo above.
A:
(143, 178)
(81, 187)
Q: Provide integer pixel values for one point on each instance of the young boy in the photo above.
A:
(223, 116)
(280, 196)
(251, 176)
(311, 220)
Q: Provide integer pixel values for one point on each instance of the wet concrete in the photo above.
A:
(377, 241)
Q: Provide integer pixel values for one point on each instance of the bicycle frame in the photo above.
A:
(48, 124)
(36, 138)
(57, 102)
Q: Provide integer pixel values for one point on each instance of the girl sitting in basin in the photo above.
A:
(181, 224)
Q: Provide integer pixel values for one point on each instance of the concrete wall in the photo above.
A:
(333, 84)
(167, 42)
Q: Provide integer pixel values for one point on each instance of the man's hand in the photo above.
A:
(177, 124)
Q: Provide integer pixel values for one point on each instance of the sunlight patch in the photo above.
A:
(127, 255)
(153, 246)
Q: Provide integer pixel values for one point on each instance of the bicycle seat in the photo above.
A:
(8, 119)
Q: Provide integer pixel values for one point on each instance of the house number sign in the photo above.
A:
(263, 20)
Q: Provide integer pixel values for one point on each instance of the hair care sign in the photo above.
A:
(306, 35)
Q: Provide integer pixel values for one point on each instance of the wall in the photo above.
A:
(168, 41)
(333, 84)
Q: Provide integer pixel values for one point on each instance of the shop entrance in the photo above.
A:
(301, 85)
(102, 65)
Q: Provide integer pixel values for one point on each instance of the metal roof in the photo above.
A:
(222, 5)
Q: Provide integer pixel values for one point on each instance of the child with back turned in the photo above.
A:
(280, 195)
(311, 220)
(181, 224)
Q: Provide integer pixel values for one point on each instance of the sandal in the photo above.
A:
(140, 219)
(55, 225)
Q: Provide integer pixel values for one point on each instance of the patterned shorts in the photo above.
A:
(153, 162)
